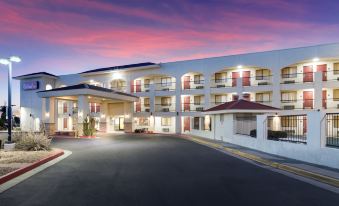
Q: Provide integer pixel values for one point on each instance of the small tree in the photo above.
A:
(3, 117)
(89, 126)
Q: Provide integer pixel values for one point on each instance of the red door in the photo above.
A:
(138, 85)
(187, 124)
(323, 68)
(308, 73)
(235, 76)
(138, 106)
(132, 86)
(187, 104)
(308, 99)
(187, 82)
(324, 99)
(246, 81)
(235, 97)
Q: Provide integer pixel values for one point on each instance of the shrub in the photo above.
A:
(276, 135)
(253, 133)
(89, 126)
(32, 141)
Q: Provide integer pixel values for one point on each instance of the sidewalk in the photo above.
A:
(317, 172)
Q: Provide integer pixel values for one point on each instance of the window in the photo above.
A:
(218, 77)
(207, 123)
(218, 99)
(289, 121)
(336, 68)
(147, 82)
(262, 97)
(336, 121)
(166, 81)
(289, 96)
(165, 101)
(289, 72)
(146, 102)
(262, 74)
(143, 121)
(197, 79)
(65, 107)
(335, 94)
(196, 123)
(197, 100)
(166, 121)
(94, 107)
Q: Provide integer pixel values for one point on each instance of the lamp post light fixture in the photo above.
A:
(9, 62)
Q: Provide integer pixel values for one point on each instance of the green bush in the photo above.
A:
(89, 126)
(276, 135)
(31, 141)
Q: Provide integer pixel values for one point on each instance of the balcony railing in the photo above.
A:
(164, 108)
(192, 107)
(193, 85)
(297, 104)
(266, 102)
(68, 110)
(140, 88)
(165, 86)
(119, 89)
(257, 80)
(142, 108)
(221, 83)
(297, 78)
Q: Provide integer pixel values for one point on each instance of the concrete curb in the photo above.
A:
(304, 173)
(27, 168)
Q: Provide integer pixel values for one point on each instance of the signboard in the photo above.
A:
(30, 85)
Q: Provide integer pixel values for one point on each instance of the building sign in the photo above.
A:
(30, 85)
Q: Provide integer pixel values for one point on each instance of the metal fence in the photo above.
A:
(245, 123)
(332, 129)
(289, 128)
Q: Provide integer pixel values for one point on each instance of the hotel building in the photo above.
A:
(171, 97)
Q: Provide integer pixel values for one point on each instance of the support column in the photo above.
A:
(240, 88)
(315, 129)
(207, 92)
(48, 115)
(178, 105)
(317, 96)
(276, 96)
(83, 112)
(104, 117)
(128, 116)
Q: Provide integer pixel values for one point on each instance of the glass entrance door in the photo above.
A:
(118, 123)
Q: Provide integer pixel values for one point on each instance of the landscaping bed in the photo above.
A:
(13, 160)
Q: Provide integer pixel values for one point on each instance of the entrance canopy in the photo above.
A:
(241, 106)
(88, 90)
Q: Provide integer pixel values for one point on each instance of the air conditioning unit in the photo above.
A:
(147, 110)
(262, 83)
(288, 107)
(146, 90)
(289, 82)
(165, 129)
(165, 109)
(165, 89)
(220, 85)
(199, 87)
(199, 109)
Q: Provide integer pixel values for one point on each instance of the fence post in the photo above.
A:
(318, 98)
(315, 129)
(261, 127)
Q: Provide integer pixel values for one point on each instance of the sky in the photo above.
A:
(63, 36)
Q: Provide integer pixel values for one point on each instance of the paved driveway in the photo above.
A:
(158, 170)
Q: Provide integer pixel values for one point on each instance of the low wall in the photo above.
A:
(315, 151)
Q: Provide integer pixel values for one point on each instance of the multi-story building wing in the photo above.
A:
(170, 97)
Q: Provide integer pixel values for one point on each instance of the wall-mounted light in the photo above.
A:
(239, 66)
(316, 59)
(47, 114)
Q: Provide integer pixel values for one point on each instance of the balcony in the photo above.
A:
(164, 107)
(193, 85)
(119, 88)
(192, 107)
(297, 104)
(221, 83)
(297, 78)
(165, 86)
(138, 88)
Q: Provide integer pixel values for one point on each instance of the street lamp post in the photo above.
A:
(9, 62)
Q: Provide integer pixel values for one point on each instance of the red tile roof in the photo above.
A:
(241, 105)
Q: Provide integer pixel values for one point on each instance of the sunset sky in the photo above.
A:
(67, 36)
